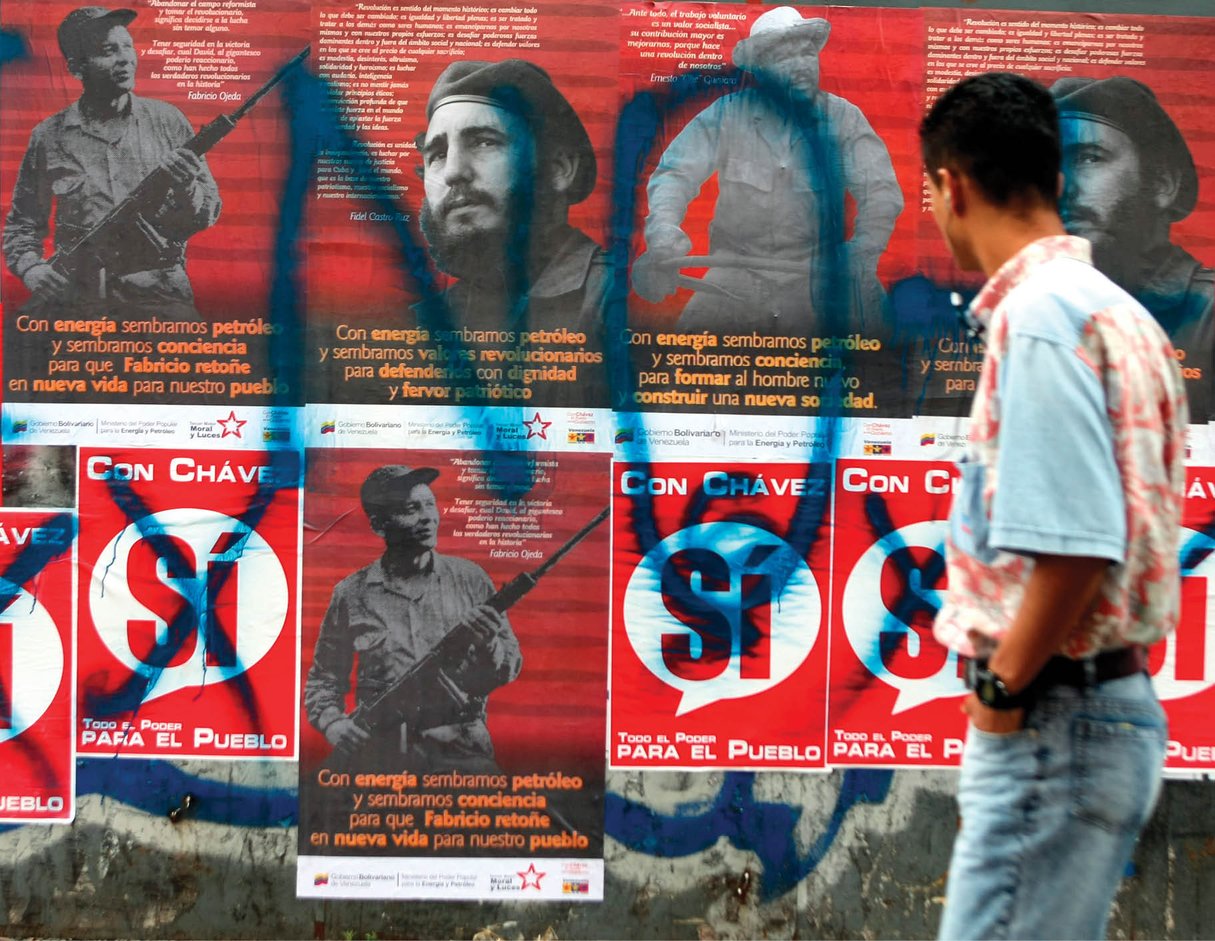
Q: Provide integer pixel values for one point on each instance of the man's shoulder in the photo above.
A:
(570, 266)
(835, 104)
(1180, 290)
(581, 250)
(1203, 278)
(459, 567)
(355, 581)
(742, 102)
(1060, 296)
(158, 110)
(53, 125)
(1202, 286)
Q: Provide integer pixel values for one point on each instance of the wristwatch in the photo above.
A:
(989, 688)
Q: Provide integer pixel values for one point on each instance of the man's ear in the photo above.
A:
(1165, 185)
(953, 190)
(73, 66)
(562, 170)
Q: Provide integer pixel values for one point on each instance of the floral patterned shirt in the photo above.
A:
(1077, 445)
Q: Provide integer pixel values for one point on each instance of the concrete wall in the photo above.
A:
(857, 854)
(207, 850)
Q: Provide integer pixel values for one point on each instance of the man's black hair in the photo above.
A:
(1001, 130)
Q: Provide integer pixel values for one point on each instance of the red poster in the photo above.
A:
(767, 202)
(1183, 664)
(1138, 161)
(719, 646)
(383, 295)
(454, 750)
(894, 689)
(188, 603)
(37, 658)
(164, 304)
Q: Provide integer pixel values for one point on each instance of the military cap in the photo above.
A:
(526, 90)
(83, 22)
(389, 486)
(1131, 107)
(775, 28)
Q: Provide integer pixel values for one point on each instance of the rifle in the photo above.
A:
(444, 665)
(126, 239)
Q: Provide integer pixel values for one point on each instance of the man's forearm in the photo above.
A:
(1060, 591)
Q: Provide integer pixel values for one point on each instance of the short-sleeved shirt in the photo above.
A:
(1077, 447)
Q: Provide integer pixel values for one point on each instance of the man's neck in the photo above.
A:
(103, 107)
(402, 563)
(999, 233)
(547, 238)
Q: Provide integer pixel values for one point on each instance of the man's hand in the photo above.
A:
(44, 280)
(656, 271)
(996, 721)
(486, 662)
(345, 734)
(862, 263)
(485, 622)
(655, 279)
(184, 167)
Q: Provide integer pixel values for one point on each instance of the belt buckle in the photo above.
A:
(1090, 671)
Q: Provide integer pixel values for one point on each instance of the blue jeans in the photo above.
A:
(1050, 814)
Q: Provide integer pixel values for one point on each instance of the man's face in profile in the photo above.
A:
(413, 524)
(108, 66)
(479, 175)
(1106, 193)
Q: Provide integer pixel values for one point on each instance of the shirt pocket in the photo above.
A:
(969, 527)
(371, 646)
(64, 185)
(749, 170)
(77, 205)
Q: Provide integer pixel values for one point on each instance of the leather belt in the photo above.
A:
(1106, 666)
(1089, 671)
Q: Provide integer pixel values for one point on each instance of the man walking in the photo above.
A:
(1062, 554)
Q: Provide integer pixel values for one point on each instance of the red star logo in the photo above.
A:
(231, 425)
(536, 427)
(531, 878)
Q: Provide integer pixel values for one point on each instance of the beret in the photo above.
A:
(388, 486)
(82, 21)
(775, 28)
(526, 90)
(1131, 107)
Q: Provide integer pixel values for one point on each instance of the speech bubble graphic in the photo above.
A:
(36, 660)
(722, 611)
(870, 624)
(1188, 666)
(233, 586)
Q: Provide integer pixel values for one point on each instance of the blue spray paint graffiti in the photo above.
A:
(316, 127)
(761, 827)
(764, 828)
